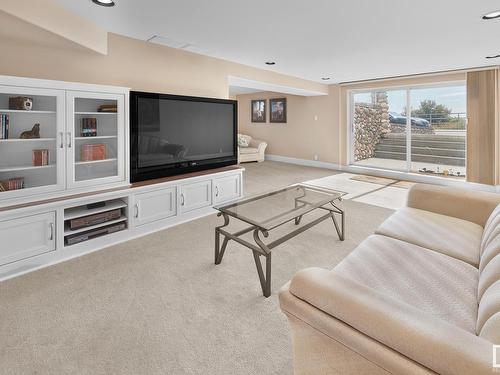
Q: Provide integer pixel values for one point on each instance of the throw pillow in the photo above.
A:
(244, 140)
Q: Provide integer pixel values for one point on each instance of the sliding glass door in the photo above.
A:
(429, 138)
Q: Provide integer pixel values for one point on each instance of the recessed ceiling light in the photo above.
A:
(493, 57)
(325, 78)
(104, 3)
(491, 15)
(270, 63)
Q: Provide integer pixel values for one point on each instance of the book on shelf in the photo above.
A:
(88, 127)
(110, 108)
(12, 184)
(4, 126)
(40, 157)
(93, 152)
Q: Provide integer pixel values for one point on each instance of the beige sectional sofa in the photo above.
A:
(420, 296)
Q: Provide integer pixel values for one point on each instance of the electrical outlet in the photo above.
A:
(315, 117)
(316, 157)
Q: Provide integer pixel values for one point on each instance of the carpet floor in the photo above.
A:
(158, 304)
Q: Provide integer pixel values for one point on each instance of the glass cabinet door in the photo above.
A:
(95, 138)
(32, 152)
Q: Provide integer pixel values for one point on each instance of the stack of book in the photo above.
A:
(12, 184)
(40, 157)
(89, 127)
(4, 126)
(112, 108)
(93, 152)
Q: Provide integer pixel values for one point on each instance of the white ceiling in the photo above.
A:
(346, 40)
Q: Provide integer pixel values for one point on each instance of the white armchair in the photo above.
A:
(255, 151)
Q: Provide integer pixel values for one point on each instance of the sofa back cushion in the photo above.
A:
(488, 317)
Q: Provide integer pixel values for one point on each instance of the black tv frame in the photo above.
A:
(142, 174)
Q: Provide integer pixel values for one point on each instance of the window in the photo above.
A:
(430, 138)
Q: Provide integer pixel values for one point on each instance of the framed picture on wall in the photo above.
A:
(278, 110)
(259, 110)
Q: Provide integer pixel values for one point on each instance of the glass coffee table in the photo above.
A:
(269, 211)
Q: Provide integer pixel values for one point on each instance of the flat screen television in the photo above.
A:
(172, 134)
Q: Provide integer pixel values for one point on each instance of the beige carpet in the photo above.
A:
(158, 304)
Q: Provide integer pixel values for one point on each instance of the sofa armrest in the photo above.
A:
(433, 343)
(474, 206)
(260, 145)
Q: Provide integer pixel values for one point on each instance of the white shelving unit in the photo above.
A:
(95, 223)
(59, 108)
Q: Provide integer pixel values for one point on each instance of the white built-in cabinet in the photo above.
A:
(194, 196)
(36, 230)
(154, 205)
(227, 188)
(27, 236)
(59, 109)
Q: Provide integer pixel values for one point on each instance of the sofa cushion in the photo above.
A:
(448, 235)
(432, 282)
(489, 305)
(249, 150)
(491, 228)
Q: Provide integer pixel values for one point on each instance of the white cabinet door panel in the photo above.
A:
(227, 188)
(154, 205)
(196, 195)
(26, 237)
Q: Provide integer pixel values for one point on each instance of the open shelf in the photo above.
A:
(74, 212)
(96, 137)
(25, 168)
(89, 223)
(95, 161)
(27, 140)
(25, 111)
(96, 113)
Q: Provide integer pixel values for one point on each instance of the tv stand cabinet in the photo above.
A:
(35, 217)
(146, 207)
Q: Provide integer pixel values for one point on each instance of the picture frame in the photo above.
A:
(259, 110)
(278, 110)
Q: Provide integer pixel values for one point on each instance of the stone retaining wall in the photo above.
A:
(371, 122)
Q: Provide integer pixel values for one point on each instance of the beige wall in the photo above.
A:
(35, 52)
(302, 136)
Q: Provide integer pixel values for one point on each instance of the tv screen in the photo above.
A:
(173, 134)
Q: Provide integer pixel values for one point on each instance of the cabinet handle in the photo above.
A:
(216, 191)
(61, 135)
(69, 139)
(136, 210)
(51, 231)
(182, 199)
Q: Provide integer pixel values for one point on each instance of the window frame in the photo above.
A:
(408, 88)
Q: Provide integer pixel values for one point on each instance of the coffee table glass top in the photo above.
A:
(270, 210)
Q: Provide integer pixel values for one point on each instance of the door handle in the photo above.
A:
(69, 139)
(61, 136)
(216, 191)
(182, 199)
(136, 210)
(51, 231)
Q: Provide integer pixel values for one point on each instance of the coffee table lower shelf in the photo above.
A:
(259, 248)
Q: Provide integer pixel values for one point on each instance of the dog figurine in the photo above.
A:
(31, 134)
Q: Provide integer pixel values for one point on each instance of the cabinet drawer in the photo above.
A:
(27, 236)
(195, 195)
(154, 205)
(227, 188)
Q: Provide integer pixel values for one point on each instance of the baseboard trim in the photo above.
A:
(413, 177)
(304, 162)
